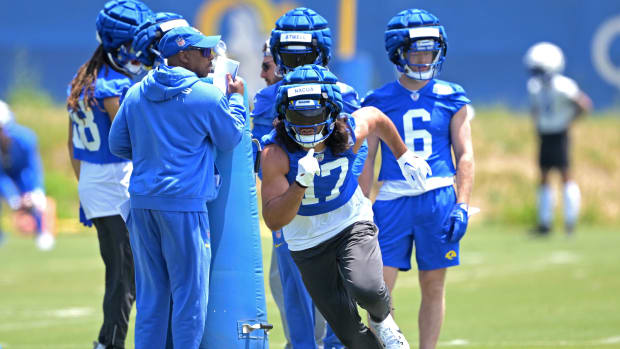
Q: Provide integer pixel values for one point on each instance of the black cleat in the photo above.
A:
(541, 230)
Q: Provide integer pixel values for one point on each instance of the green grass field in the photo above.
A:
(512, 291)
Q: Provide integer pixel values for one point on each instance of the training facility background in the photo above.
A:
(43, 42)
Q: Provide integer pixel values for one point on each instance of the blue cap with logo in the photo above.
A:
(179, 39)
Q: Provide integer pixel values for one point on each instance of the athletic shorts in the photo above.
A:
(416, 220)
(554, 151)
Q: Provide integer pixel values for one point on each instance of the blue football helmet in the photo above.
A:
(309, 102)
(150, 32)
(116, 27)
(416, 43)
(301, 36)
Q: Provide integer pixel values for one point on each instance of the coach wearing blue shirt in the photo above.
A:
(170, 125)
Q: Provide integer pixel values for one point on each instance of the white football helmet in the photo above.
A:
(544, 57)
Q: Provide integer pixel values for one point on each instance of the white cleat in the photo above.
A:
(45, 241)
(389, 334)
(97, 345)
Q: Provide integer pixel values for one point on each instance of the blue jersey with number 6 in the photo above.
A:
(333, 186)
(423, 122)
(91, 125)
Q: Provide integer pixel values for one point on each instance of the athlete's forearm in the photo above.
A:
(365, 180)
(389, 135)
(383, 127)
(281, 210)
(75, 163)
(465, 177)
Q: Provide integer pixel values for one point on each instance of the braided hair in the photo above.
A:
(84, 80)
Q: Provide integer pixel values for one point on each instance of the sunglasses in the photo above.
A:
(265, 67)
(206, 51)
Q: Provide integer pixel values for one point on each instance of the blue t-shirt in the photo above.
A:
(423, 122)
(91, 126)
(334, 185)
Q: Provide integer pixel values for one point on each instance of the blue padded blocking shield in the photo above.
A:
(237, 306)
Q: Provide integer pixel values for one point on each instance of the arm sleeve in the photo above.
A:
(458, 98)
(32, 175)
(227, 121)
(9, 190)
(119, 140)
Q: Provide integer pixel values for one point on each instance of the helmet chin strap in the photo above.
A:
(422, 76)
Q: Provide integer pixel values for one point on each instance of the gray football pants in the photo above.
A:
(342, 271)
(276, 291)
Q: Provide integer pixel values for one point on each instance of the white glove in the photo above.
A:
(307, 167)
(415, 169)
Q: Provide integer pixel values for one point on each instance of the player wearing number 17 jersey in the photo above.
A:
(310, 191)
(431, 117)
(103, 178)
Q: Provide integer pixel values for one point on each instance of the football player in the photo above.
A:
(311, 195)
(21, 178)
(556, 101)
(268, 66)
(301, 36)
(431, 118)
(103, 178)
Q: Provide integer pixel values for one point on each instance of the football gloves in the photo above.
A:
(307, 167)
(456, 224)
(415, 169)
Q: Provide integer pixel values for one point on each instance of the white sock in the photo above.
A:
(572, 203)
(545, 205)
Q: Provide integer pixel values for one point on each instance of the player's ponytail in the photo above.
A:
(84, 80)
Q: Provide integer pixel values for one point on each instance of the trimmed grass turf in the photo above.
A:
(512, 291)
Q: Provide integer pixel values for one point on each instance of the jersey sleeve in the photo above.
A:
(567, 87)
(263, 112)
(111, 84)
(452, 92)
(370, 100)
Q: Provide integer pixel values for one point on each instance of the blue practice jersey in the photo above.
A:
(333, 186)
(91, 126)
(22, 163)
(423, 122)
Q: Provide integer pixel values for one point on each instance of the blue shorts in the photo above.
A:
(416, 219)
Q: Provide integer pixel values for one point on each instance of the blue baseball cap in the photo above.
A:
(178, 39)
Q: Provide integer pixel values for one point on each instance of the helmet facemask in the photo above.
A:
(124, 59)
(308, 122)
(422, 57)
(309, 117)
